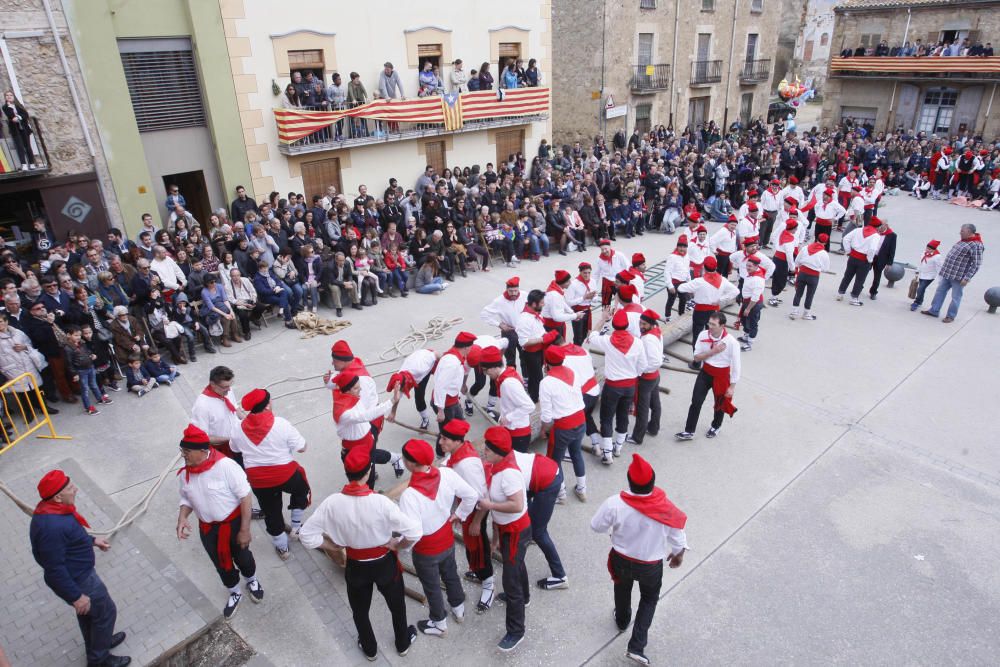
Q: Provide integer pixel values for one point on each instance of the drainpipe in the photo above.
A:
(906, 30)
(729, 76)
(673, 60)
(69, 78)
(892, 102)
(602, 115)
(989, 107)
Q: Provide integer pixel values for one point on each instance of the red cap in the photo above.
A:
(513, 281)
(584, 265)
(983, 151)
(625, 276)
(823, 238)
(419, 451)
(650, 316)
(753, 259)
(933, 243)
(638, 258)
(253, 398)
(775, 181)
(682, 240)
(554, 355)
(752, 192)
(627, 292)
(346, 380)
(341, 351)
(791, 224)
(856, 188)
(947, 150)
(791, 200)
(52, 483)
(491, 356)
(455, 429)
(562, 276)
(828, 192)
(695, 217)
(194, 438)
(498, 439)
(793, 180)
(710, 263)
(640, 472)
(620, 320)
(604, 242)
(700, 229)
(357, 460)
(731, 218)
(875, 222)
(752, 206)
(475, 356)
(464, 339)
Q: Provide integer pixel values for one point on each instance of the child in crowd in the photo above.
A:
(927, 270)
(107, 378)
(80, 364)
(158, 369)
(616, 215)
(136, 377)
(363, 266)
(395, 263)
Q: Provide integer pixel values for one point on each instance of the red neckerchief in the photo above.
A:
(426, 483)
(561, 373)
(356, 490)
(773, 189)
(52, 507)
(508, 462)
(404, 379)
(508, 372)
(455, 353)
(257, 426)
(975, 238)
(464, 451)
(511, 298)
(713, 341)
(763, 274)
(214, 456)
(357, 367)
(621, 339)
(611, 256)
(342, 403)
(575, 350)
(928, 255)
(553, 287)
(657, 507)
(786, 237)
(211, 394)
(814, 248)
(678, 253)
(712, 278)
(585, 282)
(655, 331)
(869, 230)
(528, 309)
(888, 230)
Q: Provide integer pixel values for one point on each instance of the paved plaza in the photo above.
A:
(848, 514)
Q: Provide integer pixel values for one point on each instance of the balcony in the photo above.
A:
(755, 71)
(952, 68)
(706, 72)
(387, 121)
(11, 167)
(649, 78)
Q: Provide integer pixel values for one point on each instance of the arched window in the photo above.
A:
(824, 39)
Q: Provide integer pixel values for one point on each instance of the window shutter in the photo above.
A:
(164, 89)
(428, 50)
(316, 176)
(510, 50)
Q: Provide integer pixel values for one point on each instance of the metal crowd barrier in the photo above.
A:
(12, 394)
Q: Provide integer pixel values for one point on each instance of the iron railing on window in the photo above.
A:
(11, 165)
(649, 78)
(706, 71)
(756, 71)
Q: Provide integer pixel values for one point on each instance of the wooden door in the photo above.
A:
(317, 175)
(509, 142)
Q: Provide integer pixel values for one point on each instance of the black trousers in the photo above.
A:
(510, 354)
(480, 382)
(766, 227)
(98, 625)
(699, 322)
(532, 363)
(824, 229)
(780, 276)
(615, 404)
(270, 501)
(521, 443)
(751, 321)
(589, 403)
(450, 412)
(515, 580)
(877, 268)
(681, 297)
(581, 328)
(807, 284)
(242, 563)
(857, 270)
(384, 574)
(647, 409)
(378, 456)
(625, 573)
(420, 394)
(722, 264)
(702, 388)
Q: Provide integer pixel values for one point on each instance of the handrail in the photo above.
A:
(31, 397)
(706, 71)
(650, 77)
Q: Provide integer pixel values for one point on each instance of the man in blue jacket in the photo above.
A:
(61, 545)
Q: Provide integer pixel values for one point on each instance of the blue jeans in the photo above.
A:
(435, 285)
(571, 440)
(88, 384)
(281, 300)
(98, 625)
(294, 296)
(312, 291)
(922, 285)
(166, 377)
(398, 279)
(944, 285)
(540, 507)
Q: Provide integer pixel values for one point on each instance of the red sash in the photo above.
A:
(859, 255)
(720, 383)
(657, 507)
(543, 472)
(366, 440)
(440, 540)
(225, 535)
(368, 553)
(514, 529)
(52, 507)
(267, 477)
(806, 271)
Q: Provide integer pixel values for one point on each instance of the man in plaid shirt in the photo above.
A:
(962, 262)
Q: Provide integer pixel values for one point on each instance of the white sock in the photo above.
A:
(425, 414)
(619, 438)
(459, 610)
(252, 578)
(442, 624)
(606, 445)
(491, 402)
(581, 482)
(280, 541)
(394, 458)
(595, 438)
(235, 589)
(297, 518)
(487, 592)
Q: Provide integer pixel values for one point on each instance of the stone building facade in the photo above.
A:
(924, 94)
(661, 62)
(71, 187)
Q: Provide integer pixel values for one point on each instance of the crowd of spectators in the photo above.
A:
(918, 49)
(91, 316)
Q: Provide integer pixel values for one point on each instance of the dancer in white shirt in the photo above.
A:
(720, 356)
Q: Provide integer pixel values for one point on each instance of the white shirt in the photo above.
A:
(753, 288)
(769, 201)
(503, 485)
(697, 251)
(555, 307)
(618, 366)
(448, 378)
(579, 361)
(739, 259)
(792, 191)
(678, 267)
(171, 274)
(652, 347)
(213, 417)
(472, 472)
(747, 227)
(215, 493)
(355, 422)
(730, 358)
(608, 268)
(276, 449)
(635, 535)
(818, 261)
(857, 241)
(832, 211)
(529, 327)
(558, 399)
(433, 513)
(705, 293)
(360, 522)
(929, 270)
(723, 240)
(503, 311)
(576, 291)
(419, 364)
(515, 404)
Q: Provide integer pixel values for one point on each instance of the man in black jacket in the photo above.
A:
(39, 326)
(339, 277)
(885, 257)
(238, 209)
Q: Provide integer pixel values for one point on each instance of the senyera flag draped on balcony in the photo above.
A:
(451, 110)
(942, 64)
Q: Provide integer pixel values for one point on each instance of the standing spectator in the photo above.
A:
(485, 78)
(336, 97)
(242, 204)
(473, 80)
(532, 75)
(174, 198)
(17, 123)
(389, 83)
(80, 363)
(459, 78)
(508, 79)
(291, 100)
(40, 327)
(356, 96)
(960, 265)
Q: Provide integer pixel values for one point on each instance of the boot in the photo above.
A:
(223, 341)
(207, 341)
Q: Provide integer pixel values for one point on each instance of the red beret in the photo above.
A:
(823, 238)
(346, 380)
(638, 258)
(947, 151)
(475, 356)
(731, 218)
(695, 217)
(554, 355)
(604, 242)
(751, 239)
(498, 439)
(357, 460)
(710, 263)
(464, 339)
(933, 243)
(562, 276)
(584, 266)
(875, 222)
(513, 282)
(650, 316)
(253, 398)
(455, 429)
(419, 451)
(194, 438)
(341, 351)
(682, 240)
(491, 356)
(627, 292)
(700, 229)
(620, 320)
(828, 192)
(625, 276)
(775, 181)
(791, 224)
(856, 188)
(52, 483)
(640, 472)
(793, 180)
(754, 259)
(752, 192)
(791, 200)
(752, 206)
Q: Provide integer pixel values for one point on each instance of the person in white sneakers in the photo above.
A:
(503, 312)
(609, 263)
(739, 260)
(556, 312)
(698, 251)
(624, 359)
(752, 303)
(647, 404)
(927, 271)
(861, 246)
(543, 479)
(216, 490)
(786, 246)
(749, 225)
(515, 404)
(579, 361)
(414, 375)
(708, 293)
(449, 379)
(720, 356)
(828, 212)
(429, 498)
(479, 379)
(268, 444)
(723, 244)
(562, 415)
(579, 296)
(646, 531)
(677, 272)
(812, 261)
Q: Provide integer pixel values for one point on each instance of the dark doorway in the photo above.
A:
(192, 186)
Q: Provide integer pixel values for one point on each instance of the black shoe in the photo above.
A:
(256, 591)
(112, 661)
(232, 604)
(411, 632)
(469, 411)
(502, 597)
(117, 639)
(711, 432)
(340, 312)
(51, 410)
(621, 628)
(356, 306)
(509, 642)
(695, 365)
(288, 325)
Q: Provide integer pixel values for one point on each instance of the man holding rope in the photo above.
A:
(415, 374)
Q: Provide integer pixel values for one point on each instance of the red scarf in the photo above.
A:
(553, 287)
(713, 341)
(464, 451)
(869, 230)
(639, 273)
(657, 507)
(52, 507)
(786, 237)
(405, 380)
(257, 426)
(561, 373)
(975, 238)
(357, 490)
(508, 462)
(585, 282)
(511, 298)
(504, 376)
(713, 279)
(610, 257)
(621, 340)
(928, 255)
(214, 456)
(342, 403)
(679, 253)
(426, 482)
(655, 331)
(211, 394)
(357, 367)
(888, 230)
(536, 315)
(814, 248)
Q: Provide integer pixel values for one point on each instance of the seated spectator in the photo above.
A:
(338, 276)
(469, 237)
(273, 291)
(378, 267)
(191, 326)
(368, 281)
(218, 314)
(284, 269)
(127, 334)
(137, 379)
(161, 329)
(427, 280)
(243, 299)
(395, 263)
(158, 369)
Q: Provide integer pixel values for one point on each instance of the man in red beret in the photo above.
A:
(216, 489)
(628, 302)
(463, 458)
(861, 245)
(723, 244)
(828, 212)
(479, 377)
(369, 529)
(449, 379)
(543, 482)
(677, 271)
(508, 505)
(429, 498)
(884, 258)
(647, 403)
(503, 312)
(268, 445)
(623, 361)
(556, 312)
(646, 530)
(64, 550)
(343, 359)
(751, 302)
(811, 263)
(638, 274)
(698, 250)
(353, 418)
(562, 415)
(786, 247)
(415, 374)
(516, 405)
(718, 355)
(770, 203)
(579, 296)
(609, 264)
(709, 293)
(533, 339)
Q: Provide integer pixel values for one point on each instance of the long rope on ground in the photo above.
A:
(435, 330)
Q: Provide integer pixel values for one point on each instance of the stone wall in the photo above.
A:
(576, 71)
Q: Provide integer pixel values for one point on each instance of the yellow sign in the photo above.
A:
(650, 70)
(595, 94)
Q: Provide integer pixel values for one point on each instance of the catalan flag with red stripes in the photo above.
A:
(294, 124)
